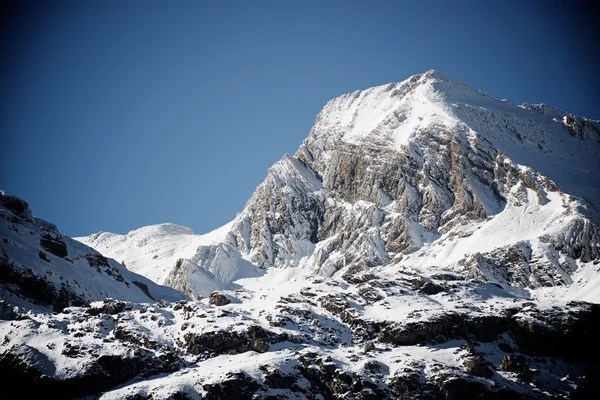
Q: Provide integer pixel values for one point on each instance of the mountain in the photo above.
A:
(40, 268)
(425, 242)
(425, 172)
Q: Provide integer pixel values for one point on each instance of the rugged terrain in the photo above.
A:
(426, 241)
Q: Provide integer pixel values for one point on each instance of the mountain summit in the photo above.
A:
(427, 172)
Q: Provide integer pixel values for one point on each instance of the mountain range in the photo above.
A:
(425, 241)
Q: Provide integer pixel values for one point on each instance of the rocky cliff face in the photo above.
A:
(421, 166)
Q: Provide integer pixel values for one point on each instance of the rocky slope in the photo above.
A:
(425, 172)
(42, 269)
(394, 334)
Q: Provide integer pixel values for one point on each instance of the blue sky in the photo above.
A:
(116, 115)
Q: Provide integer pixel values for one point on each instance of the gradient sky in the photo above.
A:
(116, 115)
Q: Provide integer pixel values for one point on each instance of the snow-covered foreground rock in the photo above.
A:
(42, 269)
(425, 242)
(389, 334)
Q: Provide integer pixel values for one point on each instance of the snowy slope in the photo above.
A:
(43, 268)
(424, 172)
(153, 250)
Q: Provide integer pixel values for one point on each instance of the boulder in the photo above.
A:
(218, 299)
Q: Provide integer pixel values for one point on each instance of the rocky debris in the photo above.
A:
(374, 367)
(369, 294)
(359, 278)
(143, 352)
(331, 382)
(218, 299)
(447, 276)
(362, 328)
(102, 265)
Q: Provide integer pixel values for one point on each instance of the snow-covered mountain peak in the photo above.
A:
(399, 174)
(393, 115)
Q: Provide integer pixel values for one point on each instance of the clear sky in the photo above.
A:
(119, 114)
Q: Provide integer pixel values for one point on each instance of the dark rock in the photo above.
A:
(15, 205)
(43, 256)
(330, 382)
(234, 386)
(369, 294)
(439, 339)
(505, 347)
(276, 380)
(374, 367)
(218, 299)
(458, 388)
(369, 346)
(517, 364)
(361, 328)
(450, 326)
(567, 333)
(470, 347)
(7, 312)
(431, 288)
(411, 384)
(476, 366)
(231, 342)
(100, 374)
(359, 278)
(102, 265)
(54, 244)
(447, 277)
